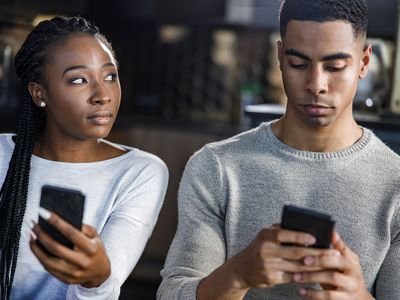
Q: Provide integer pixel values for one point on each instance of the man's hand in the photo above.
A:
(264, 263)
(87, 264)
(341, 276)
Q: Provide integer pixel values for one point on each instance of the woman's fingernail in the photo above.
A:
(297, 277)
(310, 240)
(44, 213)
(309, 260)
(32, 235)
(303, 292)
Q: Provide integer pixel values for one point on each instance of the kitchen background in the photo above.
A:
(193, 72)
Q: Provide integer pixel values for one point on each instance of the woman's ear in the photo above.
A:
(37, 93)
(365, 60)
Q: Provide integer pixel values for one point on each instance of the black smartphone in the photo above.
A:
(66, 203)
(318, 224)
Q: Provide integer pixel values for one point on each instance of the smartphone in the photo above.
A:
(66, 203)
(318, 224)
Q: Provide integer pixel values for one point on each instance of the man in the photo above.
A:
(315, 156)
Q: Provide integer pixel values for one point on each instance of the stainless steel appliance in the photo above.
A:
(5, 74)
(395, 99)
(11, 37)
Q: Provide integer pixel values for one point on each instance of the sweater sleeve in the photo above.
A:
(199, 244)
(387, 285)
(127, 231)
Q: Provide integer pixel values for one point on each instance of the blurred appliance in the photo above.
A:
(24, 11)
(263, 13)
(16, 18)
(11, 37)
(5, 73)
(395, 99)
(382, 17)
(182, 11)
(374, 89)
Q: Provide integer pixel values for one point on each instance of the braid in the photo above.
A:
(29, 63)
(15, 190)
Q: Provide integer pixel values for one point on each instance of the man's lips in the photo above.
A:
(316, 109)
(100, 117)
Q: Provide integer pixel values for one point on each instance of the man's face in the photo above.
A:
(321, 64)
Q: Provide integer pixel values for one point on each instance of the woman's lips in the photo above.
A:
(101, 118)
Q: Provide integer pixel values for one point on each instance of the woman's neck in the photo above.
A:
(74, 150)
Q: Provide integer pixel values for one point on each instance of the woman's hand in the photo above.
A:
(87, 264)
(341, 278)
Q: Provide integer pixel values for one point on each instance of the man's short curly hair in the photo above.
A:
(354, 12)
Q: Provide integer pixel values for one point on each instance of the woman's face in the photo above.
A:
(82, 90)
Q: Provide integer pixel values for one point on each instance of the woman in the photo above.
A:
(71, 97)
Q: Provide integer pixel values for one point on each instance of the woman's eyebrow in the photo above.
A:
(110, 64)
(74, 68)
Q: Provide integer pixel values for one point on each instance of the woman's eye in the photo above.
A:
(111, 77)
(78, 81)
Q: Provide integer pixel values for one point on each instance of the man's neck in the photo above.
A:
(317, 139)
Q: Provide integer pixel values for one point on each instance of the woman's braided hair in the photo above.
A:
(29, 64)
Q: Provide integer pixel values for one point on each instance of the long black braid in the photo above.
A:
(29, 63)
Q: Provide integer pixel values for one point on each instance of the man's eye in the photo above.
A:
(78, 81)
(299, 66)
(334, 69)
(111, 77)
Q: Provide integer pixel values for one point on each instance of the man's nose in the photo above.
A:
(317, 82)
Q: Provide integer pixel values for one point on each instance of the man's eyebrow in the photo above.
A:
(335, 56)
(110, 64)
(293, 52)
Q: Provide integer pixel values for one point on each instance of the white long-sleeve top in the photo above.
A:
(123, 198)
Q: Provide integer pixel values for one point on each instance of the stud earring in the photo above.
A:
(42, 104)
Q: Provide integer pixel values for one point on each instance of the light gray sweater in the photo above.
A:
(233, 188)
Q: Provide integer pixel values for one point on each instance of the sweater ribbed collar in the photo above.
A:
(354, 150)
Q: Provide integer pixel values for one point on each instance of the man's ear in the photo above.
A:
(38, 93)
(365, 60)
(280, 52)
